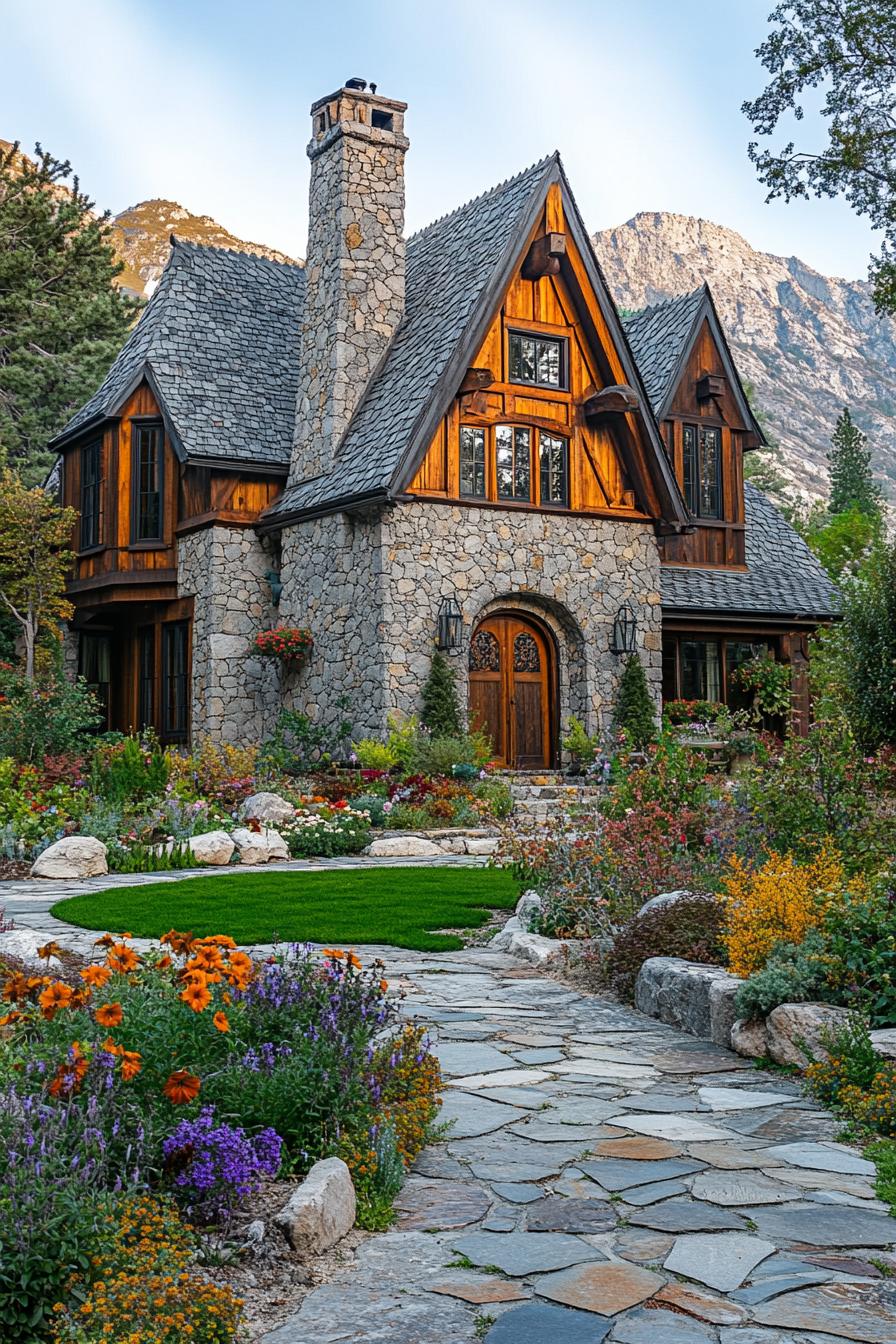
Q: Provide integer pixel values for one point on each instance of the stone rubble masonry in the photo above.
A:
(355, 266)
(370, 587)
(235, 693)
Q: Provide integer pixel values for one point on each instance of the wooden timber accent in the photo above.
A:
(607, 457)
(704, 397)
(476, 379)
(616, 400)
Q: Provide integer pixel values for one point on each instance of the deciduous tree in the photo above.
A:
(35, 558)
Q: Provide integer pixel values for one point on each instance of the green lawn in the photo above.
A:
(398, 906)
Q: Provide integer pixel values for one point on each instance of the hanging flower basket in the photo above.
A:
(287, 644)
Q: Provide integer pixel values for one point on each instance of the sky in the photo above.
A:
(206, 102)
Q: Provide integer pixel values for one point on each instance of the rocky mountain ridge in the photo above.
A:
(809, 344)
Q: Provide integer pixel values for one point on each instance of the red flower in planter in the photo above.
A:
(287, 644)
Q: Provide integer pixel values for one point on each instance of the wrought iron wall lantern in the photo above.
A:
(625, 630)
(450, 625)
(276, 585)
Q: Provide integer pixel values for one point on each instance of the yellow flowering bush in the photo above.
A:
(777, 903)
(139, 1288)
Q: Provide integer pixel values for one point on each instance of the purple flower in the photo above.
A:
(213, 1167)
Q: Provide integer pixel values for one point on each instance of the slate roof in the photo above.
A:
(658, 336)
(782, 578)
(449, 266)
(219, 341)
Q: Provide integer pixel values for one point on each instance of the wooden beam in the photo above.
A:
(710, 385)
(476, 379)
(615, 400)
(543, 257)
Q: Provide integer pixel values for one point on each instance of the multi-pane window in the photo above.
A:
(513, 457)
(705, 669)
(94, 665)
(538, 360)
(552, 454)
(91, 494)
(175, 681)
(702, 450)
(147, 467)
(472, 461)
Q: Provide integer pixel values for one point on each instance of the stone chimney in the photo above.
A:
(355, 263)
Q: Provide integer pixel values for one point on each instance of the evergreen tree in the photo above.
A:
(62, 321)
(864, 649)
(635, 711)
(852, 485)
(441, 712)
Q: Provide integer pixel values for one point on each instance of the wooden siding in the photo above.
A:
(601, 455)
(715, 541)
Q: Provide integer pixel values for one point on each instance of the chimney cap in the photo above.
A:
(356, 83)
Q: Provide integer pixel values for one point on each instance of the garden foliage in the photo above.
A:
(440, 710)
(691, 927)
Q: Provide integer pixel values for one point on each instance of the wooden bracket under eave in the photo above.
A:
(543, 257)
(618, 399)
(476, 379)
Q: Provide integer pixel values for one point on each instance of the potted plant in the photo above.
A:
(289, 645)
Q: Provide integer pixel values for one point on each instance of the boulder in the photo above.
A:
(452, 844)
(481, 844)
(884, 1042)
(688, 995)
(259, 846)
(402, 847)
(267, 807)
(215, 847)
(750, 1038)
(528, 908)
(321, 1210)
(664, 898)
(23, 944)
(791, 1024)
(516, 940)
(72, 856)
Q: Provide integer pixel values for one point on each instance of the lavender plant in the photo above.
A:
(212, 1166)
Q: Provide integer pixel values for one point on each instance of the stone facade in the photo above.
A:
(371, 588)
(235, 695)
(355, 265)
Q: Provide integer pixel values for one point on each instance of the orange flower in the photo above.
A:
(111, 1048)
(384, 985)
(182, 1087)
(106, 941)
(164, 962)
(109, 1014)
(131, 1064)
(180, 943)
(194, 977)
(53, 998)
(16, 988)
(8, 1018)
(353, 961)
(196, 997)
(217, 939)
(50, 949)
(334, 953)
(96, 975)
(70, 1073)
(220, 1021)
(122, 958)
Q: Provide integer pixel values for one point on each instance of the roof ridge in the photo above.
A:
(490, 191)
(196, 246)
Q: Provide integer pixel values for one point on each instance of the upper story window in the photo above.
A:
(147, 468)
(702, 450)
(514, 463)
(91, 494)
(538, 360)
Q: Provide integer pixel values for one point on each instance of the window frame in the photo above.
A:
(146, 680)
(470, 494)
(562, 343)
(535, 499)
(694, 488)
(564, 440)
(673, 640)
(518, 457)
(179, 732)
(138, 427)
(95, 541)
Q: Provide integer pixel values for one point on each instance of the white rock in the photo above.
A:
(252, 845)
(23, 943)
(267, 807)
(502, 939)
(533, 948)
(452, 844)
(884, 1041)
(321, 1210)
(277, 846)
(72, 856)
(750, 1038)
(528, 908)
(402, 846)
(791, 1025)
(215, 847)
(481, 844)
(664, 898)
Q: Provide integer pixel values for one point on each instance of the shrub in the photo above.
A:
(584, 749)
(374, 755)
(221, 772)
(298, 746)
(439, 755)
(860, 948)
(129, 771)
(851, 1065)
(495, 796)
(404, 740)
(376, 805)
(635, 713)
(778, 902)
(140, 858)
(770, 684)
(211, 1167)
(326, 833)
(692, 927)
(50, 716)
(864, 644)
(793, 973)
(139, 1287)
(440, 709)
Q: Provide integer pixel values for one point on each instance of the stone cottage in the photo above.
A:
(452, 439)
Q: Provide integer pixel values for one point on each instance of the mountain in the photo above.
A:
(808, 344)
(142, 236)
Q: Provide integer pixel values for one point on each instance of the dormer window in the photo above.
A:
(91, 494)
(537, 360)
(702, 454)
(147, 469)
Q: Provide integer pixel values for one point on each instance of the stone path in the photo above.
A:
(604, 1178)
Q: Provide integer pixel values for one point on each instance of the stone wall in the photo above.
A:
(370, 589)
(235, 695)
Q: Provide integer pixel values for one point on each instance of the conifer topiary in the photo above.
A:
(635, 713)
(441, 711)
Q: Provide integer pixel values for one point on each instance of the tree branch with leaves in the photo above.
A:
(35, 561)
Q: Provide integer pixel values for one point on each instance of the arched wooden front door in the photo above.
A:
(512, 679)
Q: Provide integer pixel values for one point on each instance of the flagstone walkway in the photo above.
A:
(604, 1177)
